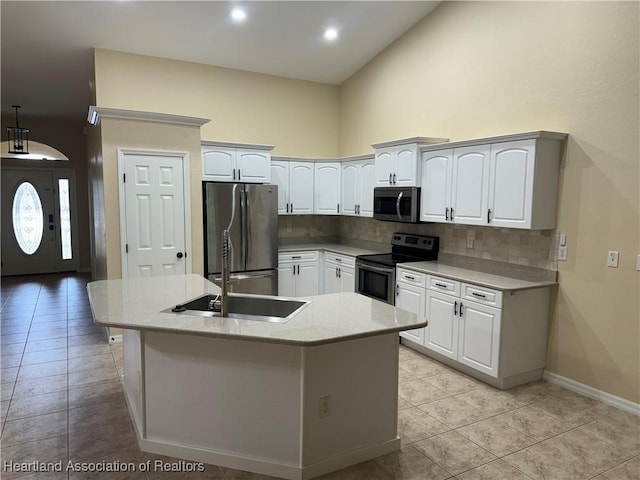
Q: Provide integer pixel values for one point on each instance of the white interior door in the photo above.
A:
(29, 222)
(155, 233)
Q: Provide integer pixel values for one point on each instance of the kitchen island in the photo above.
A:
(293, 400)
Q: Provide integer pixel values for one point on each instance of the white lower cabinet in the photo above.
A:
(461, 329)
(298, 274)
(499, 337)
(339, 273)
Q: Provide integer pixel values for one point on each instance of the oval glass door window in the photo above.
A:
(28, 224)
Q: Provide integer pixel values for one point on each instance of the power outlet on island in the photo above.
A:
(612, 259)
(325, 406)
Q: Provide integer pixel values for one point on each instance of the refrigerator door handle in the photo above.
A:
(247, 226)
(243, 238)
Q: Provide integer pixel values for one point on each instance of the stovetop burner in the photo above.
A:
(405, 248)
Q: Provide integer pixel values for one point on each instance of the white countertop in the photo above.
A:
(497, 282)
(330, 247)
(137, 304)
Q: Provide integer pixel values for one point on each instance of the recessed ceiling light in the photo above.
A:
(238, 15)
(330, 34)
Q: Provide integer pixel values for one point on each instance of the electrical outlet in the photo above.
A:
(470, 242)
(325, 406)
(562, 254)
(612, 259)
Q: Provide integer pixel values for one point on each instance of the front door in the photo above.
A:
(28, 222)
(37, 221)
(155, 230)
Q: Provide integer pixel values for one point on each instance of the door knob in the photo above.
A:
(179, 255)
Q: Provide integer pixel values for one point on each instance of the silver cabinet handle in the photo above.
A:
(238, 174)
(441, 285)
(294, 257)
(397, 289)
(389, 179)
(476, 294)
(451, 214)
(455, 308)
(461, 309)
(338, 208)
(410, 277)
(446, 214)
(358, 209)
(398, 205)
(234, 173)
(394, 178)
(287, 207)
(339, 273)
(489, 216)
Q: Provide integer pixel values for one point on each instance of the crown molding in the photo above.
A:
(96, 113)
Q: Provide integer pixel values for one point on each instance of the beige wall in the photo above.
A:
(67, 136)
(473, 69)
(116, 133)
(298, 117)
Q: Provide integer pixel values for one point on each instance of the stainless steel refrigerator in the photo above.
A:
(250, 213)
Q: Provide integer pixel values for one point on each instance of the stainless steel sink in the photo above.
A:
(245, 307)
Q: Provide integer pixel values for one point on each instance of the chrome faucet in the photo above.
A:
(224, 306)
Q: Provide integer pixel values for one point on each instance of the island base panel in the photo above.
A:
(256, 406)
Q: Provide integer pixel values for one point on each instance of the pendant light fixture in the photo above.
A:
(18, 137)
(19, 147)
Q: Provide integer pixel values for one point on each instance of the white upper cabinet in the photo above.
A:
(398, 162)
(523, 184)
(397, 166)
(435, 198)
(470, 186)
(295, 186)
(358, 181)
(511, 184)
(236, 163)
(327, 188)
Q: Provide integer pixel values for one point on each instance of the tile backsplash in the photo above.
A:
(533, 248)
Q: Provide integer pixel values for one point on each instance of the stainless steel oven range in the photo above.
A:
(376, 274)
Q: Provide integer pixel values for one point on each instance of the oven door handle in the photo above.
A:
(375, 269)
(398, 205)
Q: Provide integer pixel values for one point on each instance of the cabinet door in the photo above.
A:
(286, 280)
(218, 164)
(327, 188)
(306, 279)
(435, 194)
(442, 331)
(470, 185)
(280, 177)
(347, 279)
(331, 278)
(253, 166)
(301, 187)
(407, 166)
(385, 166)
(412, 299)
(512, 169)
(350, 177)
(479, 339)
(367, 182)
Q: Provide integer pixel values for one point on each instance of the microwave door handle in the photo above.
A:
(398, 205)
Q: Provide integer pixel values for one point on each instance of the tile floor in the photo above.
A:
(62, 401)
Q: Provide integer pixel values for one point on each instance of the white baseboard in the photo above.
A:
(115, 339)
(588, 391)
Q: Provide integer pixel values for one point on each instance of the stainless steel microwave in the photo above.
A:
(397, 204)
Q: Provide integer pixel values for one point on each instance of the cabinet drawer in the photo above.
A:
(443, 285)
(483, 295)
(308, 256)
(411, 277)
(339, 259)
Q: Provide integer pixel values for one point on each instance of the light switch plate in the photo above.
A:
(563, 239)
(562, 254)
(470, 242)
(612, 259)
